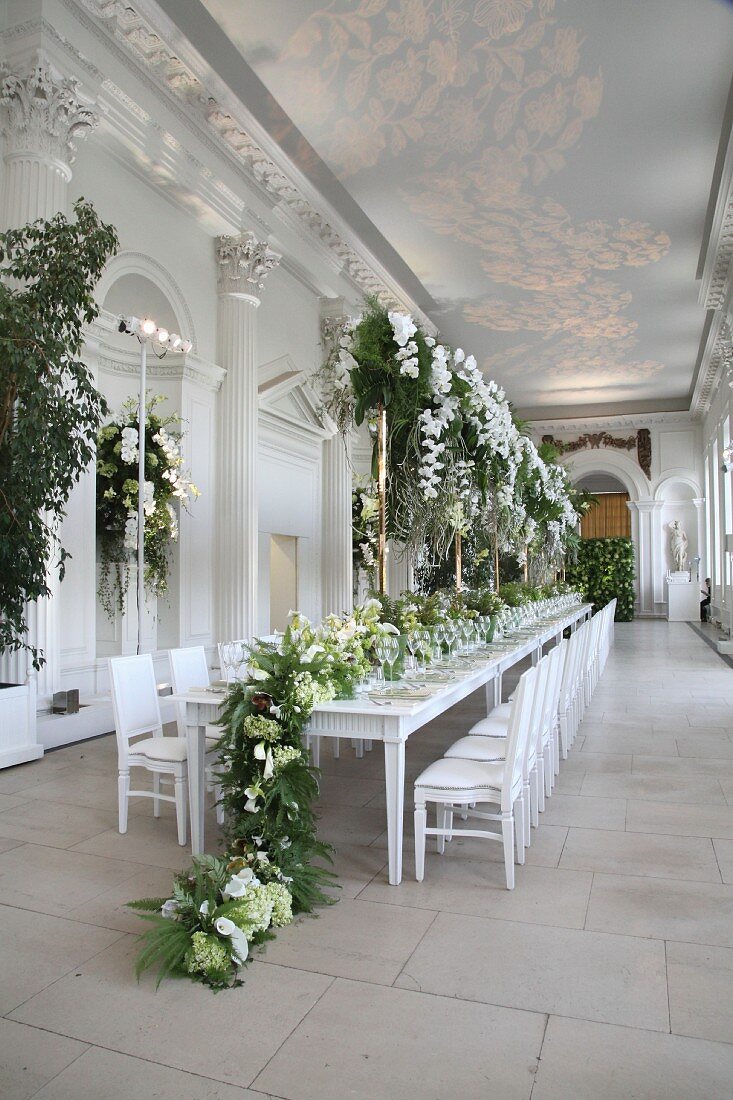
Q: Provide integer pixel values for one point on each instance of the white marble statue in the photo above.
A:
(678, 544)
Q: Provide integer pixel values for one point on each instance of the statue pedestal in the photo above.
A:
(683, 599)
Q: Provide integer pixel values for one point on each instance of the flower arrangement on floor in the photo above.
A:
(166, 485)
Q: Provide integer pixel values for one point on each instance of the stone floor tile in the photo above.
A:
(56, 880)
(700, 980)
(724, 855)
(384, 1044)
(679, 767)
(582, 1061)
(665, 909)
(147, 841)
(585, 813)
(597, 763)
(695, 789)
(630, 853)
(362, 940)
(29, 1058)
(36, 949)
(104, 1073)
(54, 824)
(614, 979)
(228, 1037)
(351, 825)
(715, 743)
(627, 741)
(543, 895)
(679, 819)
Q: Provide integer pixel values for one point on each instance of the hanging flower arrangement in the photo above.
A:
(167, 486)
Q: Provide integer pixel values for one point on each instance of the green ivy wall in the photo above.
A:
(604, 570)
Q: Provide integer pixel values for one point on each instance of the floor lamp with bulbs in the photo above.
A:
(147, 333)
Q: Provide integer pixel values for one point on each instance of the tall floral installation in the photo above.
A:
(166, 485)
(457, 457)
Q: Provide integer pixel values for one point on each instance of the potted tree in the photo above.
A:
(50, 412)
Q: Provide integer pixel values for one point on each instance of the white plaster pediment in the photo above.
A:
(285, 393)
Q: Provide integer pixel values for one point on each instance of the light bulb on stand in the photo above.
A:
(163, 335)
(148, 326)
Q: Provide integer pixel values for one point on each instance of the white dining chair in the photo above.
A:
(189, 670)
(452, 783)
(141, 742)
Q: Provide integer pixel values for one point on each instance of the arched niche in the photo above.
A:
(151, 286)
(680, 497)
(135, 295)
(604, 461)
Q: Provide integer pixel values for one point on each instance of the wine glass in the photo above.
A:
(413, 646)
(423, 641)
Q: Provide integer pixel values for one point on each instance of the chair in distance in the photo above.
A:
(189, 670)
(141, 742)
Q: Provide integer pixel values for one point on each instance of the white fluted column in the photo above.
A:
(42, 115)
(338, 572)
(244, 262)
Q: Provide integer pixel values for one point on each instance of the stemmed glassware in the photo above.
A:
(413, 646)
(387, 649)
(422, 645)
(233, 657)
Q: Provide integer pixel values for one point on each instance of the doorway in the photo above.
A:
(283, 579)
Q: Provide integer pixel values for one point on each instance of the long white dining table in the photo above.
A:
(389, 721)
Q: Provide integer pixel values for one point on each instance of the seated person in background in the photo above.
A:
(705, 603)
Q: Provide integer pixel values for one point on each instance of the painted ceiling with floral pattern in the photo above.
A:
(543, 167)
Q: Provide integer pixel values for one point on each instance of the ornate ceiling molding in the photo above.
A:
(716, 276)
(714, 362)
(589, 424)
(144, 44)
(641, 442)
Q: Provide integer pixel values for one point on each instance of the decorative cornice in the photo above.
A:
(43, 112)
(641, 442)
(244, 262)
(610, 423)
(714, 365)
(716, 276)
(140, 40)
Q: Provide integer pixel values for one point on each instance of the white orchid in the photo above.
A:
(403, 327)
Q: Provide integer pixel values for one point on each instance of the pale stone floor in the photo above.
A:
(607, 973)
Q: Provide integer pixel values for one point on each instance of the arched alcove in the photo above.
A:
(137, 296)
(604, 462)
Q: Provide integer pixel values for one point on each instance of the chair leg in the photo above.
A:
(156, 792)
(181, 792)
(420, 824)
(123, 788)
(564, 735)
(359, 747)
(541, 784)
(555, 742)
(549, 769)
(527, 796)
(336, 748)
(519, 828)
(219, 804)
(534, 801)
(507, 833)
(441, 816)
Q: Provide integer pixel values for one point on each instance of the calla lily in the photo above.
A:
(240, 946)
(169, 909)
(235, 888)
(269, 766)
(260, 750)
(388, 628)
(257, 674)
(204, 908)
(224, 926)
(310, 653)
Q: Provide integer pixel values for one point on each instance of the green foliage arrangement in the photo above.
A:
(50, 410)
(604, 570)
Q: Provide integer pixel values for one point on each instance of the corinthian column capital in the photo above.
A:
(43, 112)
(244, 263)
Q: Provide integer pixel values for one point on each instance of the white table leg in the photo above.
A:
(394, 774)
(195, 739)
